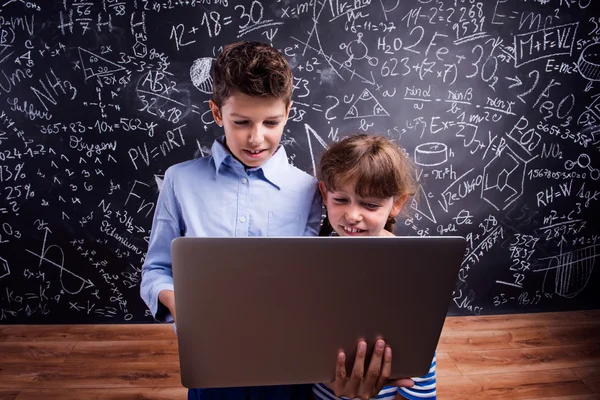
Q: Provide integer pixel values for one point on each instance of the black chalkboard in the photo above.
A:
(497, 102)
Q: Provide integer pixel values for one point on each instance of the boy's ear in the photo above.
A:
(323, 190)
(398, 204)
(216, 112)
(287, 112)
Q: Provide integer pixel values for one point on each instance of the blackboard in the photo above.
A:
(497, 102)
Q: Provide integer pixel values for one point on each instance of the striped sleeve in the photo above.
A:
(322, 392)
(424, 388)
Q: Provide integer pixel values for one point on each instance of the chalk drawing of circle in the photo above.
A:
(594, 174)
(569, 165)
(431, 154)
(200, 74)
(589, 62)
(583, 160)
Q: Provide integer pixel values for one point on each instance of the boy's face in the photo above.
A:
(253, 126)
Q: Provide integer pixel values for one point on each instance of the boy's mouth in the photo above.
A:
(253, 153)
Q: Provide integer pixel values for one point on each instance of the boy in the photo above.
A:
(245, 188)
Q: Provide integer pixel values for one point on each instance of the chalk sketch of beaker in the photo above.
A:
(573, 270)
(357, 50)
(583, 161)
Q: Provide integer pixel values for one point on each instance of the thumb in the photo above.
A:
(404, 382)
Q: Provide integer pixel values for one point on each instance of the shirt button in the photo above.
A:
(242, 219)
(244, 180)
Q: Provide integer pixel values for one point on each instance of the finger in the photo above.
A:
(371, 380)
(340, 372)
(386, 368)
(402, 382)
(358, 370)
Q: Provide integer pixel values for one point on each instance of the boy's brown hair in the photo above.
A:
(379, 167)
(254, 69)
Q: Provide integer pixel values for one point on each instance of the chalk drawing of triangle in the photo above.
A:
(423, 209)
(366, 106)
(94, 65)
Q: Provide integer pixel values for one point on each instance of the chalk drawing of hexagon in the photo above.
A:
(4, 270)
(503, 179)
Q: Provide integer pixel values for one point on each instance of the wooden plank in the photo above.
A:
(578, 334)
(8, 394)
(74, 333)
(28, 352)
(445, 365)
(514, 385)
(125, 351)
(543, 358)
(570, 397)
(516, 321)
(85, 375)
(590, 376)
(177, 393)
(496, 339)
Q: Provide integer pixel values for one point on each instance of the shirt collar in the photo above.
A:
(273, 170)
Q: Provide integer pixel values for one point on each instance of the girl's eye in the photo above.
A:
(339, 200)
(372, 206)
(240, 122)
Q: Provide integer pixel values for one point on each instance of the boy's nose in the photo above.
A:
(256, 135)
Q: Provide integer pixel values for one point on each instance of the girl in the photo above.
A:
(365, 181)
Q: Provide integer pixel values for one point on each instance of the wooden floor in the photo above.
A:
(524, 356)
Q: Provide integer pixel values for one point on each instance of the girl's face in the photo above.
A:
(352, 215)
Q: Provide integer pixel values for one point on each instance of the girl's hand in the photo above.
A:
(365, 385)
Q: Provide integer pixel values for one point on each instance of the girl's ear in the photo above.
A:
(398, 204)
(323, 190)
(216, 112)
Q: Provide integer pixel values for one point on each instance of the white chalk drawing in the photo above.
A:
(311, 132)
(139, 49)
(431, 154)
(200, 75)
(95, 65)
(583, 161)
(421, 205)
(588, 64)
(504, 178)
(366, 105)
(357, 50)
(4, 269)
(59, 262)
(573, 270)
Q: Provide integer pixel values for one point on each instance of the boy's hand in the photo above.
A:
(365, 385)
(167, 297)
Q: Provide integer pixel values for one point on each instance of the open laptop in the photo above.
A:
(259, 311)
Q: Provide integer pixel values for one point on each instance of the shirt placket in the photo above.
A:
(243, 200)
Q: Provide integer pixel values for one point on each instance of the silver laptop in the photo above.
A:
(272, 311)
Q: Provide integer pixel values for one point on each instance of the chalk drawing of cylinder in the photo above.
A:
(431, 154)
(589, 62)
(200, 74)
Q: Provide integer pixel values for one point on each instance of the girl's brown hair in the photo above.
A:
(379, 167)
(254, 69)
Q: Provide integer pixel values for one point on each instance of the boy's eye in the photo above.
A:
(272, 123)
(240, 122)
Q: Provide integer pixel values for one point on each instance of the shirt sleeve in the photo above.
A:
(424, 388)
(157, 273)
(315, 216)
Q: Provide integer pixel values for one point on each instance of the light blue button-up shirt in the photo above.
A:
(217, 196)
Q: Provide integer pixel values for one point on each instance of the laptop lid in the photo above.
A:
(259, 311)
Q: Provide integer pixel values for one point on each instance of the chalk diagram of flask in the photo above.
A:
(573, 270)
(200, 75)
